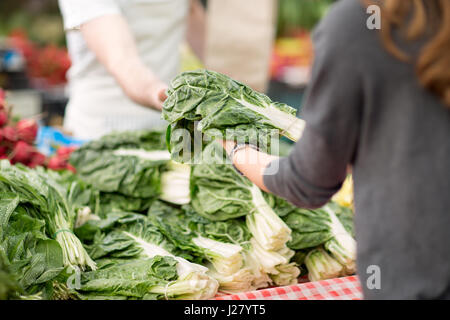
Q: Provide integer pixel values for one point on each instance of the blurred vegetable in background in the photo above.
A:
(17, 139)
(293, 51)
(49, 63)
(39, 18)
(299, 14)
(345, 196)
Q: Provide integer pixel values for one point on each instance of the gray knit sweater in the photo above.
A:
(365, 108)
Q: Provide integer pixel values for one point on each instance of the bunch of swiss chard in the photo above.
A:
(49, 200)
(210, 105)
(31, 263)
(229, 249)
(130, 170)
(128, 248)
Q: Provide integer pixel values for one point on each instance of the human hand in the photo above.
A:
(228, 145)
(157, 94)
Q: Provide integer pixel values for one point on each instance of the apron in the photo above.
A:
(97, 104)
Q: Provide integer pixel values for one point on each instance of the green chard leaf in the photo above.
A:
(218, 106)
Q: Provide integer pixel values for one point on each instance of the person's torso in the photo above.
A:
(402, 176)
(97, 102)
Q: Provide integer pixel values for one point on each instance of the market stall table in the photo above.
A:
(347, 288)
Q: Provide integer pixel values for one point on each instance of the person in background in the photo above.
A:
(381, 105)
(241, 49)
(124, 52)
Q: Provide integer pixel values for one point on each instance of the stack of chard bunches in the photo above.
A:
(335, 257)
(132, 241)
(323, 239)
(219, 193)
(132, 169)
(220, 245)
(48, 200)
(269, 243)
(17, 139)
(204, 211)
(227, 265)
(218, 107)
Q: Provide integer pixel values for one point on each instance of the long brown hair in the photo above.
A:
(418, 19)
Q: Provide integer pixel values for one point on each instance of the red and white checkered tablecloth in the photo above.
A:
(347, 288)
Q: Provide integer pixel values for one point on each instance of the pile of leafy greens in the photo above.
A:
(130, 170)
(233, 255)
(329, 228)
(123, 244)
(218, 106)
(44, 198)
(153, 278)
(29, 260)
(220, 193)
(135, 224)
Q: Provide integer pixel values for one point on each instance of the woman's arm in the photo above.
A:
(110, 39)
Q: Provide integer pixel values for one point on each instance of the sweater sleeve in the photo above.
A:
(317, 165)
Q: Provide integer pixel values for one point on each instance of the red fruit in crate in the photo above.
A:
(56, 163)
(22, 152)
(65, 152)
(3, 117)
(27, 130)
(37, 159)
(9, 134)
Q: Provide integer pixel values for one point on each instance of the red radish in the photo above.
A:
(3, 151)
(37, 159)
(3, 117)
(2, 98)
(27, 130)
(10, 134)
(22, 152)
(65, 152)
(71, 168)
(56, 163)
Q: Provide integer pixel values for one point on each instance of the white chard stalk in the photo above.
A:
(342, 246)
(240, 281)
(270, 267)
(226, 257)
(322, 266)
(151, 250)
(175, 184)
(265, 225)
(286, 275)
(291, 127)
